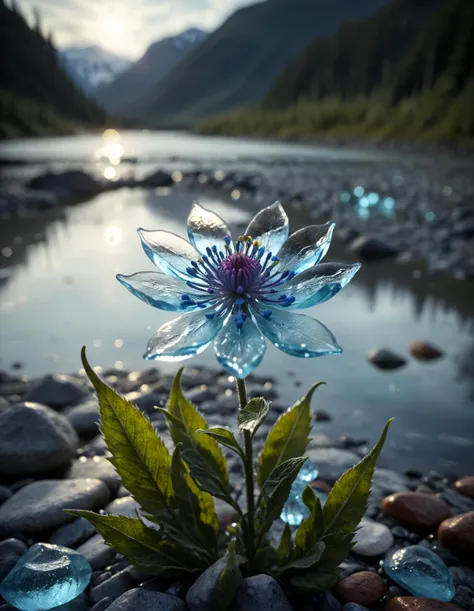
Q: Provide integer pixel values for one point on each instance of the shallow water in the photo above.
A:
(58, 292)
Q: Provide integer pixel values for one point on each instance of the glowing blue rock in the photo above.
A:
(47, 576)
(295, 511)
(421, 572)
(308, 472)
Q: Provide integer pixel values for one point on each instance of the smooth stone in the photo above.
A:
(372, 248)
(73, 534)
(353, 607)
(463, 597)
(45, 577)
(34, 439)
(11, 550)
(97, 467)
(125, 506)
(158, 178)
(372, 538)
(261, 592)
(420, 572)
(57, 391)
(424, 351)
(331, 462)
(97, 552)
(413, 603)
(201, 594)
(327, 602)
(463, 575)
(5, 493)
(457, 534)
(465, 486)
(383, 358)
(114, 587)
(418, 510)
(140, 599)
(458, 502)
(40, 506)
(102, 605)
(75, 182)
(84, 418)
(364, 588)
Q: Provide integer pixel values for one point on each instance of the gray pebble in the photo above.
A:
(11, 550)
(114, 587)
(57, 391)
(73, 534)
(97, 467)
(97, 552)
(102, 605)
(40, 506)
(261, 592)
(140, 599)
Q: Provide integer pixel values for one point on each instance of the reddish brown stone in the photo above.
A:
(465, 486)
(415, 603)
(424, 351)
(318, 484)
(421, 511)
(457, 534)
(364, 588)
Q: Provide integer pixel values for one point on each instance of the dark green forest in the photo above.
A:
(37, 97)
(407, 72)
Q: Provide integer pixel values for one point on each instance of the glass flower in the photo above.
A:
(236, 293)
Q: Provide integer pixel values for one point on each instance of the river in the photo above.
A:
(58, 292)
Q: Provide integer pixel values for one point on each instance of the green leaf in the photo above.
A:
(288, 438)
(182, 411)
(347, 501)
(311, 528)
(346, 505)
(275, 492)
(195, 507)
(265, 558)
(305, 562)
(315, 582)
(252, 415)
(138, 454)
(229, 580)
(143, 547)
(285, 549)
(225, 437)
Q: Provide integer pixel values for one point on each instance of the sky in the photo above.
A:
(126, 27)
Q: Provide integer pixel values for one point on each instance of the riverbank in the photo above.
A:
(47, 459)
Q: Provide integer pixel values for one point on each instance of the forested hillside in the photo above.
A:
(408, 72)
(33, 83)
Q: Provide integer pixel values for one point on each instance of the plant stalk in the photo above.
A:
(249, 480)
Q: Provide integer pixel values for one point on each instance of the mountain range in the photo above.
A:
(92, 66)
(120, 95)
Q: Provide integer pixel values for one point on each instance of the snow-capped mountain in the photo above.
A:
(160, 58)
(92, 66)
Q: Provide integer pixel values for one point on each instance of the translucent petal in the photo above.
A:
(159, 290)
(318, 283)
(240, 351)
(168, 251)
(296, 334)
(270, 227)
(305, 247)
(206, 229)
(183, 337)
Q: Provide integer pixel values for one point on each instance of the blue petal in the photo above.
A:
(206, 229)
(305, 247)
(160, 291)
(183, 337)
(296, 334)
(270, 227)
(318, 284)
(240, 350)
(168, 251)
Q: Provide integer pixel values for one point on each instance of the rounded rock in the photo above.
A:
(457, 534)
(140, 599)
(11, 550)
(57, 391)
(372, 539)
(84, 418)
(419, 510)
(415, 603)
(34, 439)
(383, 358)
(97, 467)
(424, 351)
(465, 486)
(261, 592)
(40, 506)
(364, 588)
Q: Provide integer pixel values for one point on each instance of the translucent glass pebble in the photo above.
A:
(47, 576)
(308, 472)
(421, 572)
(295, 511)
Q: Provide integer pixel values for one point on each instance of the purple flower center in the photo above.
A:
(238, 272)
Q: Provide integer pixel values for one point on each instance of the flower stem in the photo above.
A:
(248, 465)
